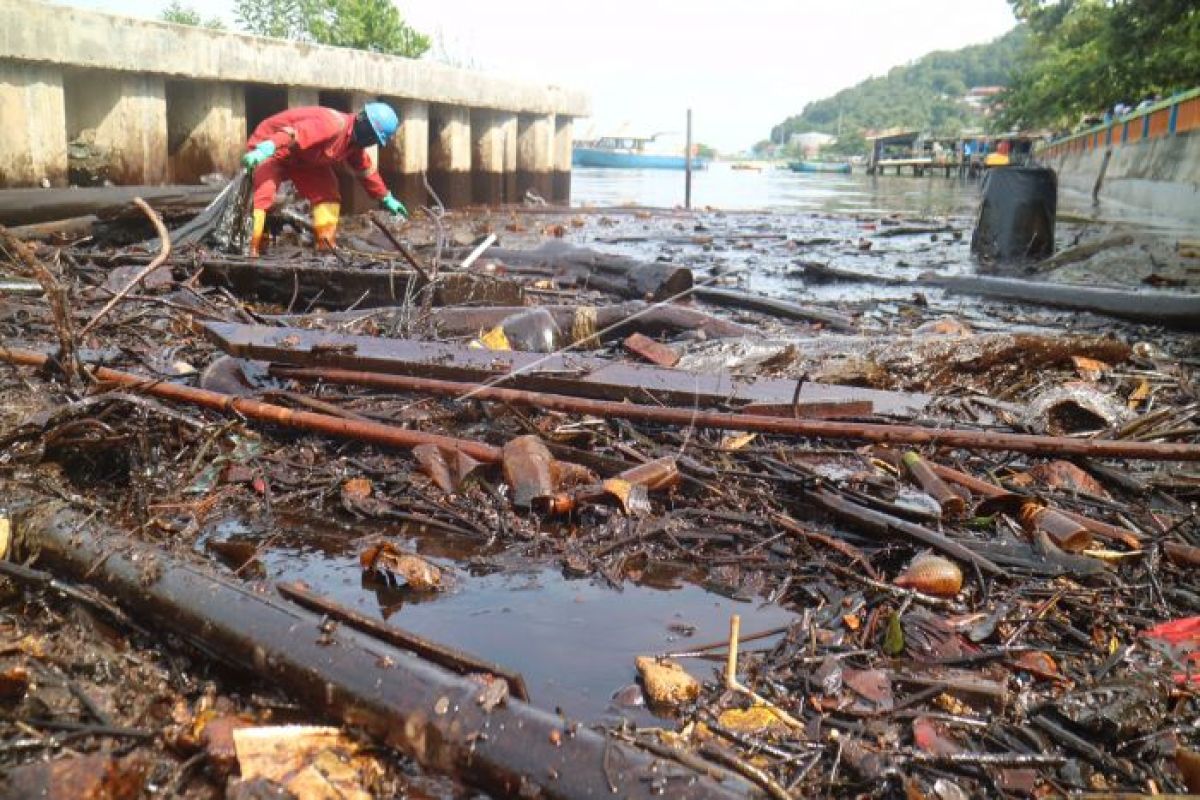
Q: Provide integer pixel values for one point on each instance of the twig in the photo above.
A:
(163, 254)
(731, 681)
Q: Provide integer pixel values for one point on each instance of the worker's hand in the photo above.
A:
(258, 155)
(393, 205)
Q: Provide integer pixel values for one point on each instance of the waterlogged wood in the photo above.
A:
(881, 524)
(442, 720)
(777, 308)
(29, 206)
(564, 373)
(627, 277)
(1177, 310)
(340, 287)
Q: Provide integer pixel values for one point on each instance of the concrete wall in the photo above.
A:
(33, 143)
(128, 114)
(535, 155)
(50, 34)
(167, 102)
(206, 129)
(1153, 177)
(450, 154)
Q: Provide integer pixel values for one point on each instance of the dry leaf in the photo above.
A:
(417, 573)
(313, 763)
(667, 683)
(737, 441)
(753, 720)
(1089, 368)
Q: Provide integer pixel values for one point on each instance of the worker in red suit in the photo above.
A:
(303, 144)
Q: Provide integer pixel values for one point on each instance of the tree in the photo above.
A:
(706, 152)
(186, 15)
(926, 94)
(280, 19)
(374, 25)
(1085, 56)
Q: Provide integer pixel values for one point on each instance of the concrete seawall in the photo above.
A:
(169, 103)
(1148, 164)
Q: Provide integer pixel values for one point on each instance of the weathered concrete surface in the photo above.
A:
(128, 112)
(487, 156)
(1158, 178)
(50, 34)
(206, 129)
(535, 154)
(408, 155)
(507, 120)
(450, 154)
(299, 96)
(33, 144)
(563, 140)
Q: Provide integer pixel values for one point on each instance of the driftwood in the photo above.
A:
(1081, 252)
(1170, 309)
(626, 277)
(565, 373)
(730, 298)
(436, 717)
(28, 206)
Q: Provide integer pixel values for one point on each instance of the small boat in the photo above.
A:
(842, 167)
(746, 166)
(630, 152)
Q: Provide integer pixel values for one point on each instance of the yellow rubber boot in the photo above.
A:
(256, 233)
(325, 223)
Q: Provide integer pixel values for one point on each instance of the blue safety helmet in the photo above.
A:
(383, 121)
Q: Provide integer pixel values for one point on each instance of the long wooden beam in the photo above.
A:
(568, 373)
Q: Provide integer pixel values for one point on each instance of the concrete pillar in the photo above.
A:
(563, 140)
(128, 112)
(535, 154)
(403, 161)
(487, 156)
(507, 121)
(450, 154)
(298, 96)
(33, 146)
(206, 129)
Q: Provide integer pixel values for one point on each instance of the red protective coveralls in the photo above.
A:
(308, 142)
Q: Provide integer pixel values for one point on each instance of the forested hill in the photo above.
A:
(926, 94)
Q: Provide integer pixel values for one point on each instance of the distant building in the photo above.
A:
(810, 143)
(979, 95)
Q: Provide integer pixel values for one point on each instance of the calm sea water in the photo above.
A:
(720, 186)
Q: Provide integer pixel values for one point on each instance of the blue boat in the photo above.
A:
(842, 167)
(628, 152)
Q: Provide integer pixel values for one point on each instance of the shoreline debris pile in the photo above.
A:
(980, 516)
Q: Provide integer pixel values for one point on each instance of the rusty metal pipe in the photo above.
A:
(828, 429)
(362, 431)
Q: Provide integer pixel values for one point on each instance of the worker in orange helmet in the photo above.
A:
(303, 144)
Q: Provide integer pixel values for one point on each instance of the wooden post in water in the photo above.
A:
(687, 166)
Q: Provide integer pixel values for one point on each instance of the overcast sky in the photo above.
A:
(742, 66)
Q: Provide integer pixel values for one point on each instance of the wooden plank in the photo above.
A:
(650, 350)
(562, 373)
